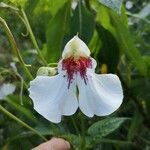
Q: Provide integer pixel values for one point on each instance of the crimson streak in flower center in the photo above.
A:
(76, 65)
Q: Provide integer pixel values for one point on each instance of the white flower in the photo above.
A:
(6, 89)
(56, 95)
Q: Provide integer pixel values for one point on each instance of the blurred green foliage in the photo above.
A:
(118, 36)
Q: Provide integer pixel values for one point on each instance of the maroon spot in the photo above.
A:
(73, 66)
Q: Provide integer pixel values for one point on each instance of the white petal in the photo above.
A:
(6, 89)
(94, 64)
(101, 96)
(76, 47)
(85, 98)
(52, 98)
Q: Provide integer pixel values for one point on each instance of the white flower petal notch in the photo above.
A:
(55, 96)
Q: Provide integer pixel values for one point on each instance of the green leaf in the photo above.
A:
(117, 25)
(104, 127)
(127, 45)
(109, 52)
(55, 5)
(50, 6)
(85, 23)
(55, 33)
(19, 2)
(135, 125)
(95, 44)
(147, 62)
(73, 139)
(44, 129)
(113, 4)
(31, 6)
(92, 142)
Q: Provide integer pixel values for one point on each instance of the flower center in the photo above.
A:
(74, 65)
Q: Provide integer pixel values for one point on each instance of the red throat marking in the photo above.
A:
(74, 66)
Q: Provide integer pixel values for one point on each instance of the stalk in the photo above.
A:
(32, 37)
(6, 112)
(15, 48)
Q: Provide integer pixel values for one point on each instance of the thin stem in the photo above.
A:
(138, 16)
(26, 21)
(52, 64)
(77, 130)
(21, 122)
(75, 126)
(22, 83)
(80, 18)
(145, 140)
(21, 88)
(83, 132)
(15, 48)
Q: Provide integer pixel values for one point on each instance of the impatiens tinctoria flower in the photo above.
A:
(6, 89)
(54, 96)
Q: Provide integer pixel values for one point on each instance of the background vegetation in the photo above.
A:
(119, 39)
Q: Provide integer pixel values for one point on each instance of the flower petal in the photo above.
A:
(52, 98)
(101, 96)
(6, 89)
(76, 47)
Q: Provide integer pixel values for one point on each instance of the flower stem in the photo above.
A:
(21, 122)
(26, 21)
(15, 48)
(75, 126)
(77, 130)
(52, 64)
(83, 142)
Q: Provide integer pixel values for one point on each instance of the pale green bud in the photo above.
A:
(46, 71)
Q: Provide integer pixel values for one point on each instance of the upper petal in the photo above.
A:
(76, 47)
(101, 96)
(52, 98)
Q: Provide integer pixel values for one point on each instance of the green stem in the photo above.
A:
(80, 18)
(21, 88)
(75, 126)
(145, 140)
(21, 122)
(77, 131)
(15, 48)
(32, 36)
(138, 16)
(52, 64)
(83, 132)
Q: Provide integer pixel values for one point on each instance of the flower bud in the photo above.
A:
(46, 71)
